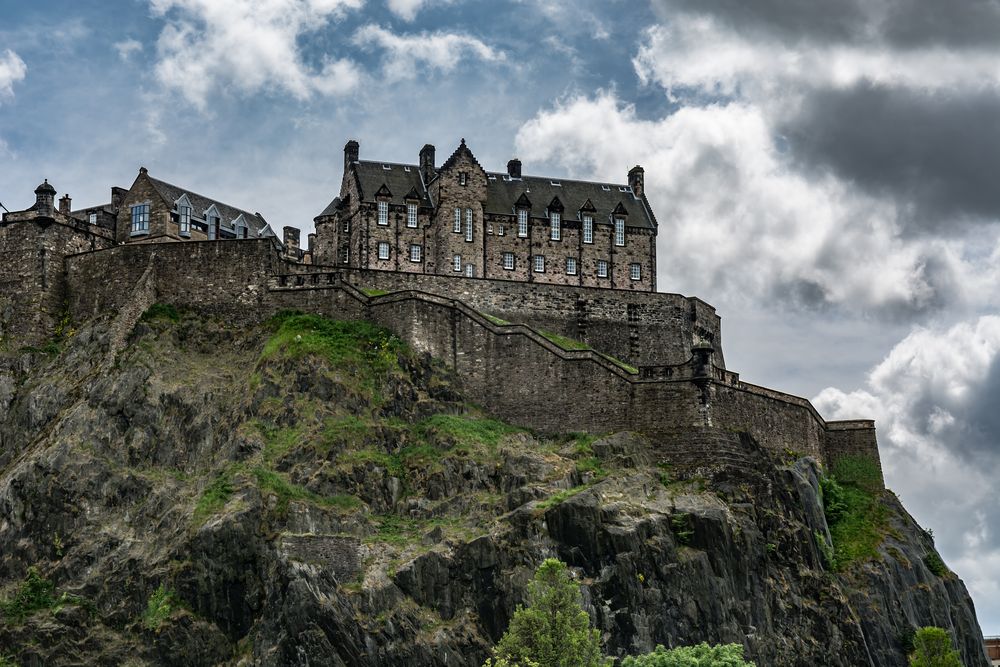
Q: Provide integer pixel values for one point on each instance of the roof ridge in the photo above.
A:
(560, 180)
(198, 194)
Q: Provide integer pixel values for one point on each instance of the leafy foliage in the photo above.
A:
(161, 311)
(934, 563)
(553, 630)
(214, 497)
(159, 607)
(932, 647)
(702, 655)
(854, 513)
(33, 594)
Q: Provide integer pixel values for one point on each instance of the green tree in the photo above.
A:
(553, 630)
(702, 655)
(932, 647)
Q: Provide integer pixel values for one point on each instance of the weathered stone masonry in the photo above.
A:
(514, 372)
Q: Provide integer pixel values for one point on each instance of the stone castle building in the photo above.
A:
(538, 293)
(459, 219)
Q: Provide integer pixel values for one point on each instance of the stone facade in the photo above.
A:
(460, 220)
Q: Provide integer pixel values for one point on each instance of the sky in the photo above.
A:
(823, 173)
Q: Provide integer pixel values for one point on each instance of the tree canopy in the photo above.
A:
(932, 647)
(702, 655)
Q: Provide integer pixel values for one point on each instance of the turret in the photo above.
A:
(65, 204)
(45, 196)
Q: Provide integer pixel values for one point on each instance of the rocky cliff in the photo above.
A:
(315, 493)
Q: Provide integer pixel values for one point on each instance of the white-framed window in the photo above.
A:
(522, 222)
(416, 252)
(619, 231)
(347, 226)
(602, 268)
(470, 271)
(383, 250)
(571, 266)
(93, 218)
(383, 213)
(500, 230)
(555, 220)
(457, 227)
(184, 220)
(456, 262)
(635, 271)
(345, 256)
(539, 263)
(508, 261)
(463, 178)
(140, 219)
(411, 215)
(588, 229)
(214, 223)
(468, 225)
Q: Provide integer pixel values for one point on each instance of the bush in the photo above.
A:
(702, 655)
(935, 564)
(159, 607)
(553, 630)
(161, 311)
(932, 647)
(33, 594)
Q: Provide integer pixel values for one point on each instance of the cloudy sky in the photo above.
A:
(823, 173)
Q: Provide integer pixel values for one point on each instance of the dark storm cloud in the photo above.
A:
(969, 23)
(981, 422)
(937, 154)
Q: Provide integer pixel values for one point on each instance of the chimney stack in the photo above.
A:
(117, 197)
(65, 204)
(351, 151)
(312, 241)
(636, 180)
(291, 238)
(514, 168)
(427, 168)
(45, 196)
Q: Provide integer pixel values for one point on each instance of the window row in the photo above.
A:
(383, 215)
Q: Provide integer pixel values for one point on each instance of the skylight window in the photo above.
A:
(606, 188)
(387, 167)
(556, 184)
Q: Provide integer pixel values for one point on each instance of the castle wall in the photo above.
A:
(32, 281)
(851, 438)
(641, 328)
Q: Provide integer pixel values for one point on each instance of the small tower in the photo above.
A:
(45, 196)
(352, 150)
(636, 180)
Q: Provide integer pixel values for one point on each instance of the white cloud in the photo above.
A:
(734, 216)
(127, 47)
(441, 51)
(408, 9)
(247, 46)
(934, 399)
(12, 70)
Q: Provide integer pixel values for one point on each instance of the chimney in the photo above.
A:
(351, 150)
(65, 204)
(514, 168)
(291, 237)
(636, 180)
(45, 195)
(427, 169)
(117, 197)
(312, 241)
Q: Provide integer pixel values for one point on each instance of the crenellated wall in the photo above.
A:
(512, 370)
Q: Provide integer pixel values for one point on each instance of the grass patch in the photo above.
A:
(628, 368)
(271, 482)
(854, 513)
(7, 661)
(159, 607)
(564, 342)
(371, 291)
(561, 496)
(934, 563)
(162, 312)
(464, 430)
(494, 319)
(278, 441)
(349, 430)
(213, 498)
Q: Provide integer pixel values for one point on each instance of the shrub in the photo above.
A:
(159, 607)
(553, 630)
(161, 311)
(702, 655)
(932, 647)
(934, 563)
(33, 594)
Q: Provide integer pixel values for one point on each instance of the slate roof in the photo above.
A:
(200, 203)
(331, 208)
(502, 192)
(373, 175)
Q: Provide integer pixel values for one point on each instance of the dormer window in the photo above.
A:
(383, 213)
(184, 219)
(522, 223)
(588, 229)
(411, 215)
(619, 231)
(555, 231)
(140, 219)
(93, 218)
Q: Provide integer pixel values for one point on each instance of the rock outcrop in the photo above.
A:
(323, 496)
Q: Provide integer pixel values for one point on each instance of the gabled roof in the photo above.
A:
(383, 192)
(331, 208)
(200, 204)
(461, 151)
(373, 176)
(503, 194)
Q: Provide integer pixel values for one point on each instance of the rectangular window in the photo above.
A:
(411, 215)
(602, 268)
(539, 263)
(185, 220)
(588, 229)
(619, 231)
(457, 228)
(347, 226)
(383, 250)
(500, 230)
(345, 256)
(416, 252)
(468, 225)
(508, 261)
(140, 219)
(522, 223)
(93, 218)
(635, 271)
(383, 213)
(456, 262)
(470, 271)
(463, 178)
(556, 221)
(571, 266)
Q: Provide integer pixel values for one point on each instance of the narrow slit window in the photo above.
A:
(457, 262)
(468, 225)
